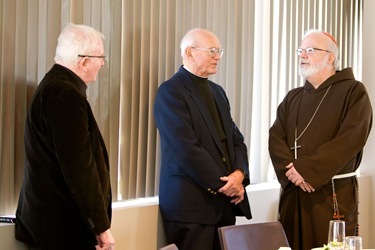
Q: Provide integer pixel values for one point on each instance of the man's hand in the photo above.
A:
(297, 179)
(105, 241)
(233, 187)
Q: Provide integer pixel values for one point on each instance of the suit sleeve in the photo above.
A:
(241, 156)
(68, 117)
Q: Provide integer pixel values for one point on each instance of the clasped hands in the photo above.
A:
(297, 179)
(233, 187)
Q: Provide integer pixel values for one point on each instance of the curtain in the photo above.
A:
(259, 66)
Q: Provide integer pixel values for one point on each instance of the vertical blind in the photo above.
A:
(259, 66)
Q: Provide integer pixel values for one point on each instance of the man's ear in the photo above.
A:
(331, 58)
(189, 54)
(83, 64)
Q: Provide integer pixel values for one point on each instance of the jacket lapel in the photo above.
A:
(222, 108)
(204, 112)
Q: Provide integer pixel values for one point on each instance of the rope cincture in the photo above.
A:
(336, 210)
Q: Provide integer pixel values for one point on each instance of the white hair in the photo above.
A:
(74, 40)
(187, 41)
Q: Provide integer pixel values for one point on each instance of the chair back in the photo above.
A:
(264, 236)
(170, 247)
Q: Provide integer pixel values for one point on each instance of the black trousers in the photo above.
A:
(193, 236)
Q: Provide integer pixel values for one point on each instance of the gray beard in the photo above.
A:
(311, 70)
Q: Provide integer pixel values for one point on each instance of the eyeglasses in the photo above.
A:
(102, 57)
(310, 51)
(212, 51)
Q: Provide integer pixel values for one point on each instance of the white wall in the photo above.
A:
(368, 75)
(138, 225)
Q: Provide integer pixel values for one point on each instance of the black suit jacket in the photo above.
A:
(192, 153)
(65, 198)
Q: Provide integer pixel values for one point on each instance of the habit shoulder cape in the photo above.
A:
(331, 145)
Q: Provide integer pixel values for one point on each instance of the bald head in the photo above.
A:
(196, 38)
(201, 51)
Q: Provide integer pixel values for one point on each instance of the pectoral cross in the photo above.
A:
(295, 148)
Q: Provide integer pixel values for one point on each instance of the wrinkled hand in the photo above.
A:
(105, 241)
(306, 187)
(233, 187)
(297, 179)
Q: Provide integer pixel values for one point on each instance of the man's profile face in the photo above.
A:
(94, 64)
(311, 64)
(204, 63)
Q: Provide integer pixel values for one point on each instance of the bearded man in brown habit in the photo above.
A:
(316, 145)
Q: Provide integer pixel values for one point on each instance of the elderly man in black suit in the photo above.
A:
(65, 200)
(204, 167)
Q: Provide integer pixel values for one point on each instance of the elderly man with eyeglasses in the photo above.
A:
(66, 201)
(204, 168)
(316, 145)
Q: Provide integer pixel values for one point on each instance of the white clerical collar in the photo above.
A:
(193, 73)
